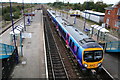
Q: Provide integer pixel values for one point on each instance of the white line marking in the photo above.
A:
(108, 73)
(45, 50)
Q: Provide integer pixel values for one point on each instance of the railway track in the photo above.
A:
(87, 76)
(56, 68)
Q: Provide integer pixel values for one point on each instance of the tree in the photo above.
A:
(88, 5)
(6, 17)
(77, 6)
(99, 6)
(16, 15)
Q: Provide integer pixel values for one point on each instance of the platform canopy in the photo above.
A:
(102, 29)
(17, 29)
(15, 32)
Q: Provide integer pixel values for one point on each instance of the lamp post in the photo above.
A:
(21, 44)
(14, 39)
(85, 16)
(12, 23)
(24, 16)
(31, 11)
(75, 20)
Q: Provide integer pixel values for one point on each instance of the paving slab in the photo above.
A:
(33, 63)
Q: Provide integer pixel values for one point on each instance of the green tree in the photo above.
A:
(88, 5)
(99, 6)
(77, 6)
(16, 15)
(6, 17)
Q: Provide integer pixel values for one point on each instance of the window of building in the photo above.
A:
(118, 13)
(117, 23)
(107, 21)
(109, 12)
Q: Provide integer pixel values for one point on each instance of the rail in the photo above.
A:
(56, 68)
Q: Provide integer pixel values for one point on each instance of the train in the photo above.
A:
(94, 16)
(87, 52)
(75, 13)
(97, 17)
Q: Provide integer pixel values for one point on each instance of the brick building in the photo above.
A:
(112, 17)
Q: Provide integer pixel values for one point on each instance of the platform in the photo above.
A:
(33, 62)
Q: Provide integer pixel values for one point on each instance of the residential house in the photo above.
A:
(112, 17)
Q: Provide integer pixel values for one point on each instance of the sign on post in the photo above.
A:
(26, 35)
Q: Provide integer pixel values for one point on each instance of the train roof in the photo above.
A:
(94, 12)
(81, 38)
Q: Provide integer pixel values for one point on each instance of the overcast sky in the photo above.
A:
(71, 1)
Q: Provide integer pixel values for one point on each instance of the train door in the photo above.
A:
(67, 40)
(73, 47)
(57, 27)
(77, 51)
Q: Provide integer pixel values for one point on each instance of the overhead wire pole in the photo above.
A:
(13, 31)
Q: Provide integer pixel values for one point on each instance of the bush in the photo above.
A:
(6, 17)
(16, 15)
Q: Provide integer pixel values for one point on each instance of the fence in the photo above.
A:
(8, 60)
(113, 46)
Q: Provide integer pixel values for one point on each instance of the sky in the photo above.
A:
(71, 1)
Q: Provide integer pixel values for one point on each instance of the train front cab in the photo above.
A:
(92, 58)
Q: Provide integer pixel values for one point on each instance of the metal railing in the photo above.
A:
(8, 60)
(5, 50)
(113, 46)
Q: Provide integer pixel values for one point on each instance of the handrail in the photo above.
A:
(113, 46)
(6, 49)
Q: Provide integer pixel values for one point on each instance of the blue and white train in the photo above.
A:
(87, 52)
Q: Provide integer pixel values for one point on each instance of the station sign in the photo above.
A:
(26, 35)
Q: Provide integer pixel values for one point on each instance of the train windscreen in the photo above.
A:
(93, 56)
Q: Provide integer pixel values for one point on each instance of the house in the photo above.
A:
(112, 17)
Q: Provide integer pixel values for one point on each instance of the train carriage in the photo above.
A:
(88, 53)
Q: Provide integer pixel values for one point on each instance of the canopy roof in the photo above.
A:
(102, 29)
(17, 29)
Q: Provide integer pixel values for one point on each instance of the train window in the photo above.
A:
(77, 51)
(64, 34)
(67, 37)
(70, 42)
(73, 45)
(93, 56)
(60, 29)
